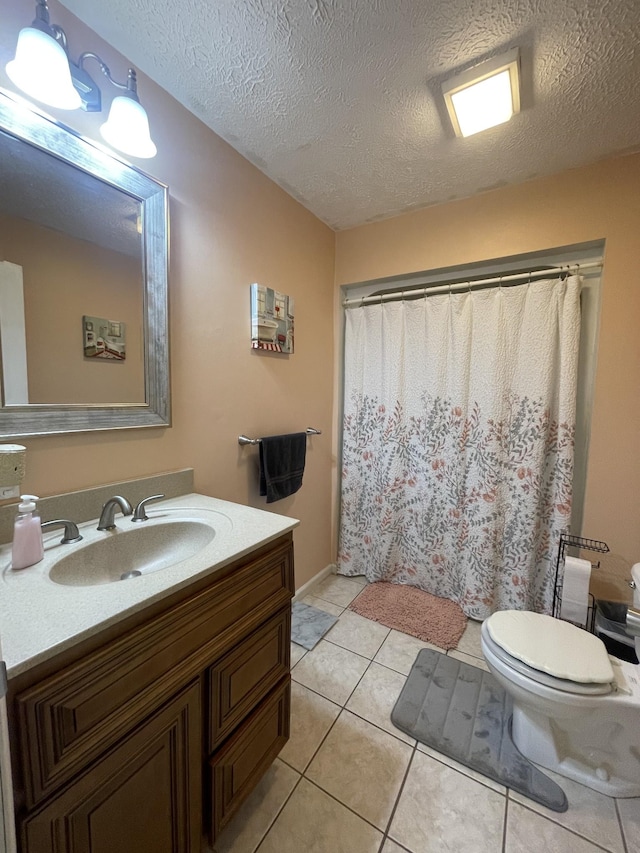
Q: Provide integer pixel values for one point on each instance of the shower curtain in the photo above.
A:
(458, 437)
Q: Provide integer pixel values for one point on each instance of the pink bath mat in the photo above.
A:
(412, 611)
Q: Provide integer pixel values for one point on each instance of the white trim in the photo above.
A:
(307, 588)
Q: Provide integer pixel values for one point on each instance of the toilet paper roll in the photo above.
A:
(574, 602)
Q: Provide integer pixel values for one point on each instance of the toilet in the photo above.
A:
(576, 710)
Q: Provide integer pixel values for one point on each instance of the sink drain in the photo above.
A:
(126, 575)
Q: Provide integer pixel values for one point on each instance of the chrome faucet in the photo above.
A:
(109, 510)
(71, 532)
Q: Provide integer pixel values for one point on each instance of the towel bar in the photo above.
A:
(243, 439)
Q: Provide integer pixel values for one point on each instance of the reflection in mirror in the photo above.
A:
(78, 250)
(83, 284)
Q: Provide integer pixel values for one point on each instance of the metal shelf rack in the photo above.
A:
(568, 541)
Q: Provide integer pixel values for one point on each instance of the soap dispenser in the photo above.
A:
(27, 547)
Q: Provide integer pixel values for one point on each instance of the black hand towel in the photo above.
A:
(282, 465)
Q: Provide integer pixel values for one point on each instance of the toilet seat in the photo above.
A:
(580, 688)
(551, 646)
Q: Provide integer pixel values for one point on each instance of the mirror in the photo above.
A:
(83, 284)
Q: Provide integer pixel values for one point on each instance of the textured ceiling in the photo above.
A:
(338, 100)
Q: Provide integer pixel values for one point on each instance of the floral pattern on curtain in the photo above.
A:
(458, 442)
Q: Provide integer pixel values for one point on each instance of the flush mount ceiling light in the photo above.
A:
(42, 69)
(484, 96)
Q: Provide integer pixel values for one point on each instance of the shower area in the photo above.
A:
(465, 431)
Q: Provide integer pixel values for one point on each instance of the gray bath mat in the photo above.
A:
(462, 711)
(309, 625)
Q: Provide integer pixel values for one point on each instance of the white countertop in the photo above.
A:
(40, 618)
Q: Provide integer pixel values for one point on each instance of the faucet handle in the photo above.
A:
(139, 513)
(71, 532)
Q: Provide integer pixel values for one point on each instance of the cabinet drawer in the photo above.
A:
(67, 720)
(240, 764)
(242, 678)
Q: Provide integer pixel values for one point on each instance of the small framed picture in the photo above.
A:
(104, 339)
(271, 320)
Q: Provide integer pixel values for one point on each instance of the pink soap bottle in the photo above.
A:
(27, 549)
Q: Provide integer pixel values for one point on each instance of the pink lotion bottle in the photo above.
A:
(27, 549)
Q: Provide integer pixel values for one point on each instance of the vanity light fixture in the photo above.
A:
(485, 95)
(42, 69)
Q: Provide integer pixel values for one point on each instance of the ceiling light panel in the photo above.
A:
(484, 96)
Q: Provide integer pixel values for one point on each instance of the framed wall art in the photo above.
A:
(271, 320)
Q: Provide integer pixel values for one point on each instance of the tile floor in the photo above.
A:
(349, 782)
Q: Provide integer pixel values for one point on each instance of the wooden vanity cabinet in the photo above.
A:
(150, 735)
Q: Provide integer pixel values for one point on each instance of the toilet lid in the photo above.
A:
(551, 645)
(581, 688)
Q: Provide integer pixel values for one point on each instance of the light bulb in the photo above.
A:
(484, 104)
(41, 70)
(127, 128)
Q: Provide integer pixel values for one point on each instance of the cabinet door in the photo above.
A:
(143, 795)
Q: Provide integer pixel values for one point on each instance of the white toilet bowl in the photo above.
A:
(575, 710)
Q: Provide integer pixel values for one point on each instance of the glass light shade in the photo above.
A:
(127, 128)
(41, 70)
(484, 104)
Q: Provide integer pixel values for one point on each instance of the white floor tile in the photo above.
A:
(321, 604)
(440, 809)
(470, 659)
(590, 814)
(391, 847)
(528, 832)
(246, 830)
(313, 822)
(399, 651)
(337, 589)
(470, 640)
(361, 766)
(311, 718)
(330, 670)
(297, 653)
(375, 696)
(461, 768)
(357, 634)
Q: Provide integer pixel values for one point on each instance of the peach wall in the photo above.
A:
(230, 226)
(63, 279)
(599, 201)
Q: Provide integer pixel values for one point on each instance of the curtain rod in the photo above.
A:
(464, 284)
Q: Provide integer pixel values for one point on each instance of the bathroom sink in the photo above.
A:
(126, 554)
